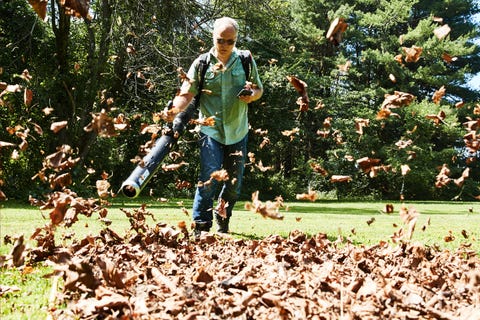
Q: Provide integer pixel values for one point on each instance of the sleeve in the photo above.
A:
(192, 74)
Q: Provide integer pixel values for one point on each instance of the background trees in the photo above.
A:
(121, 57)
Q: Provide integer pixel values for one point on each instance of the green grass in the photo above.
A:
(348, 219)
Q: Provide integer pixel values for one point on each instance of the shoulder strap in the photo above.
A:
(246, 58)
(203, 62)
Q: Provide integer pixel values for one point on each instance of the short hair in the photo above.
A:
(225, 21)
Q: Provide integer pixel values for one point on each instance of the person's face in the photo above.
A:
(224, 40)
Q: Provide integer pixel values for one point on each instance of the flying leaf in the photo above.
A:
(412, 54)
(291, 133)
(402, 144)
(318, 168)
(173, 166)
(311, 195)
(345, 67)
(40, 7)
(219, 175)
(336, 30)
(405, 169)
(76, 8)
(460, 181)
(388, 208)
(103, 187)
(448, 58)
(438, 95)
(47, 110)
(442, 179)
(102, 124)
(57, 126)
(340, 178)
(269, 209)
(183, 75)
(301, 87)
(366, 163)
(409, 217)
(437, 118)
(397, 99)
(442, 32)
(459, 104)
(208, 122)
(298, 84)
(4, 144)
(399, 59)
(360, 124)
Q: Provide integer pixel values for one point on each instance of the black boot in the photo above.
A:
(222, 223)
(199, 227)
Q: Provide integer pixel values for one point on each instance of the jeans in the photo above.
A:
(215, 156)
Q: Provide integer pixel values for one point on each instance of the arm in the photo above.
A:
(256, 85)
(179, 104)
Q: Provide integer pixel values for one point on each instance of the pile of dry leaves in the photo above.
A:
(160, 272)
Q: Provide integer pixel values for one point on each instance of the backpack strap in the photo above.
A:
(203, 63)
(246, 58)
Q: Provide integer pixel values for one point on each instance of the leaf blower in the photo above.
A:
(149, 165)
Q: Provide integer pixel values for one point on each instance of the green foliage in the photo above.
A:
(125, 61)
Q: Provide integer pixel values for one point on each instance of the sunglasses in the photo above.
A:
(225, 41)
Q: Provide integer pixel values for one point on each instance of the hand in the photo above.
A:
(256, 93)
(247, 99)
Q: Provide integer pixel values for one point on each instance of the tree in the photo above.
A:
(118, 61)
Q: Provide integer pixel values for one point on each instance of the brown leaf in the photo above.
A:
(40, 7)
(4, 144)
(405, 169)
(388, 208)
(112, 275)
(268, 209)
(3, 197)
(336, 30)
(18, 252)
(442, 178)
(442, 32)
(366, 163)
(102, 124)
(76, 8)
(360, 124)
(219, 175)
(437, 118)
(173, 166)
(318, 169)
(203, 276)
(301, 87)
(448, 58)
(438, 95)
(27, 97)
(311, 195)
(103, 187)
(57, 126)
(208, 122)
(412, 54)
(340, 178)
(397, 99)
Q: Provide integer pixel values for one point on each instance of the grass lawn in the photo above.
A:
(363, 223)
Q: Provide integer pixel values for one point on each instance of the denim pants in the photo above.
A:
(215, 156)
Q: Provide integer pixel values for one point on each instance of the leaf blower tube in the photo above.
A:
(149, 165)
